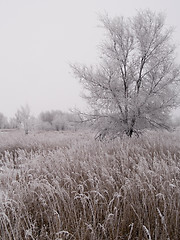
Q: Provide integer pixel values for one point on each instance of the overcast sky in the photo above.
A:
(39, 38)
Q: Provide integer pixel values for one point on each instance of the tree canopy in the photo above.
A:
(135, 84)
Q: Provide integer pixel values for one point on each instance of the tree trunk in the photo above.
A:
(130, 130)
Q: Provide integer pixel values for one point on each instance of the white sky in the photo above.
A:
(39, 38)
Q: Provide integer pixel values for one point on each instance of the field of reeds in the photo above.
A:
(57, 186)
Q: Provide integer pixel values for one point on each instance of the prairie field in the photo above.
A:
(67, 185)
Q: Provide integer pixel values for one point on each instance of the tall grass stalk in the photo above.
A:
(69, 186)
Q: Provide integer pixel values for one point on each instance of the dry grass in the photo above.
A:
(69, 186)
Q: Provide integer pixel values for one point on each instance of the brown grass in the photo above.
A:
(69, 186)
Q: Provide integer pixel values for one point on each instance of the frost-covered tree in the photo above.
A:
(135, 85)
(57, 120)
(23, 118)
(3, 121)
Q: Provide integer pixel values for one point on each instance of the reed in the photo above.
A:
(69, 186)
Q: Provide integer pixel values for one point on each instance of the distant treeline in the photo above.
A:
(55, 120)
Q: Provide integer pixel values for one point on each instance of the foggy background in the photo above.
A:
(39, 38)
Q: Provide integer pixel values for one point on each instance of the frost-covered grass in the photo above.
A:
(69, 186)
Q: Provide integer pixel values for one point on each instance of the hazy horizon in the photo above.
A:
(39, 38)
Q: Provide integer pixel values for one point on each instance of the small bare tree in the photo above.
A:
(3, 121)
(23, 118)
(134, 87)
